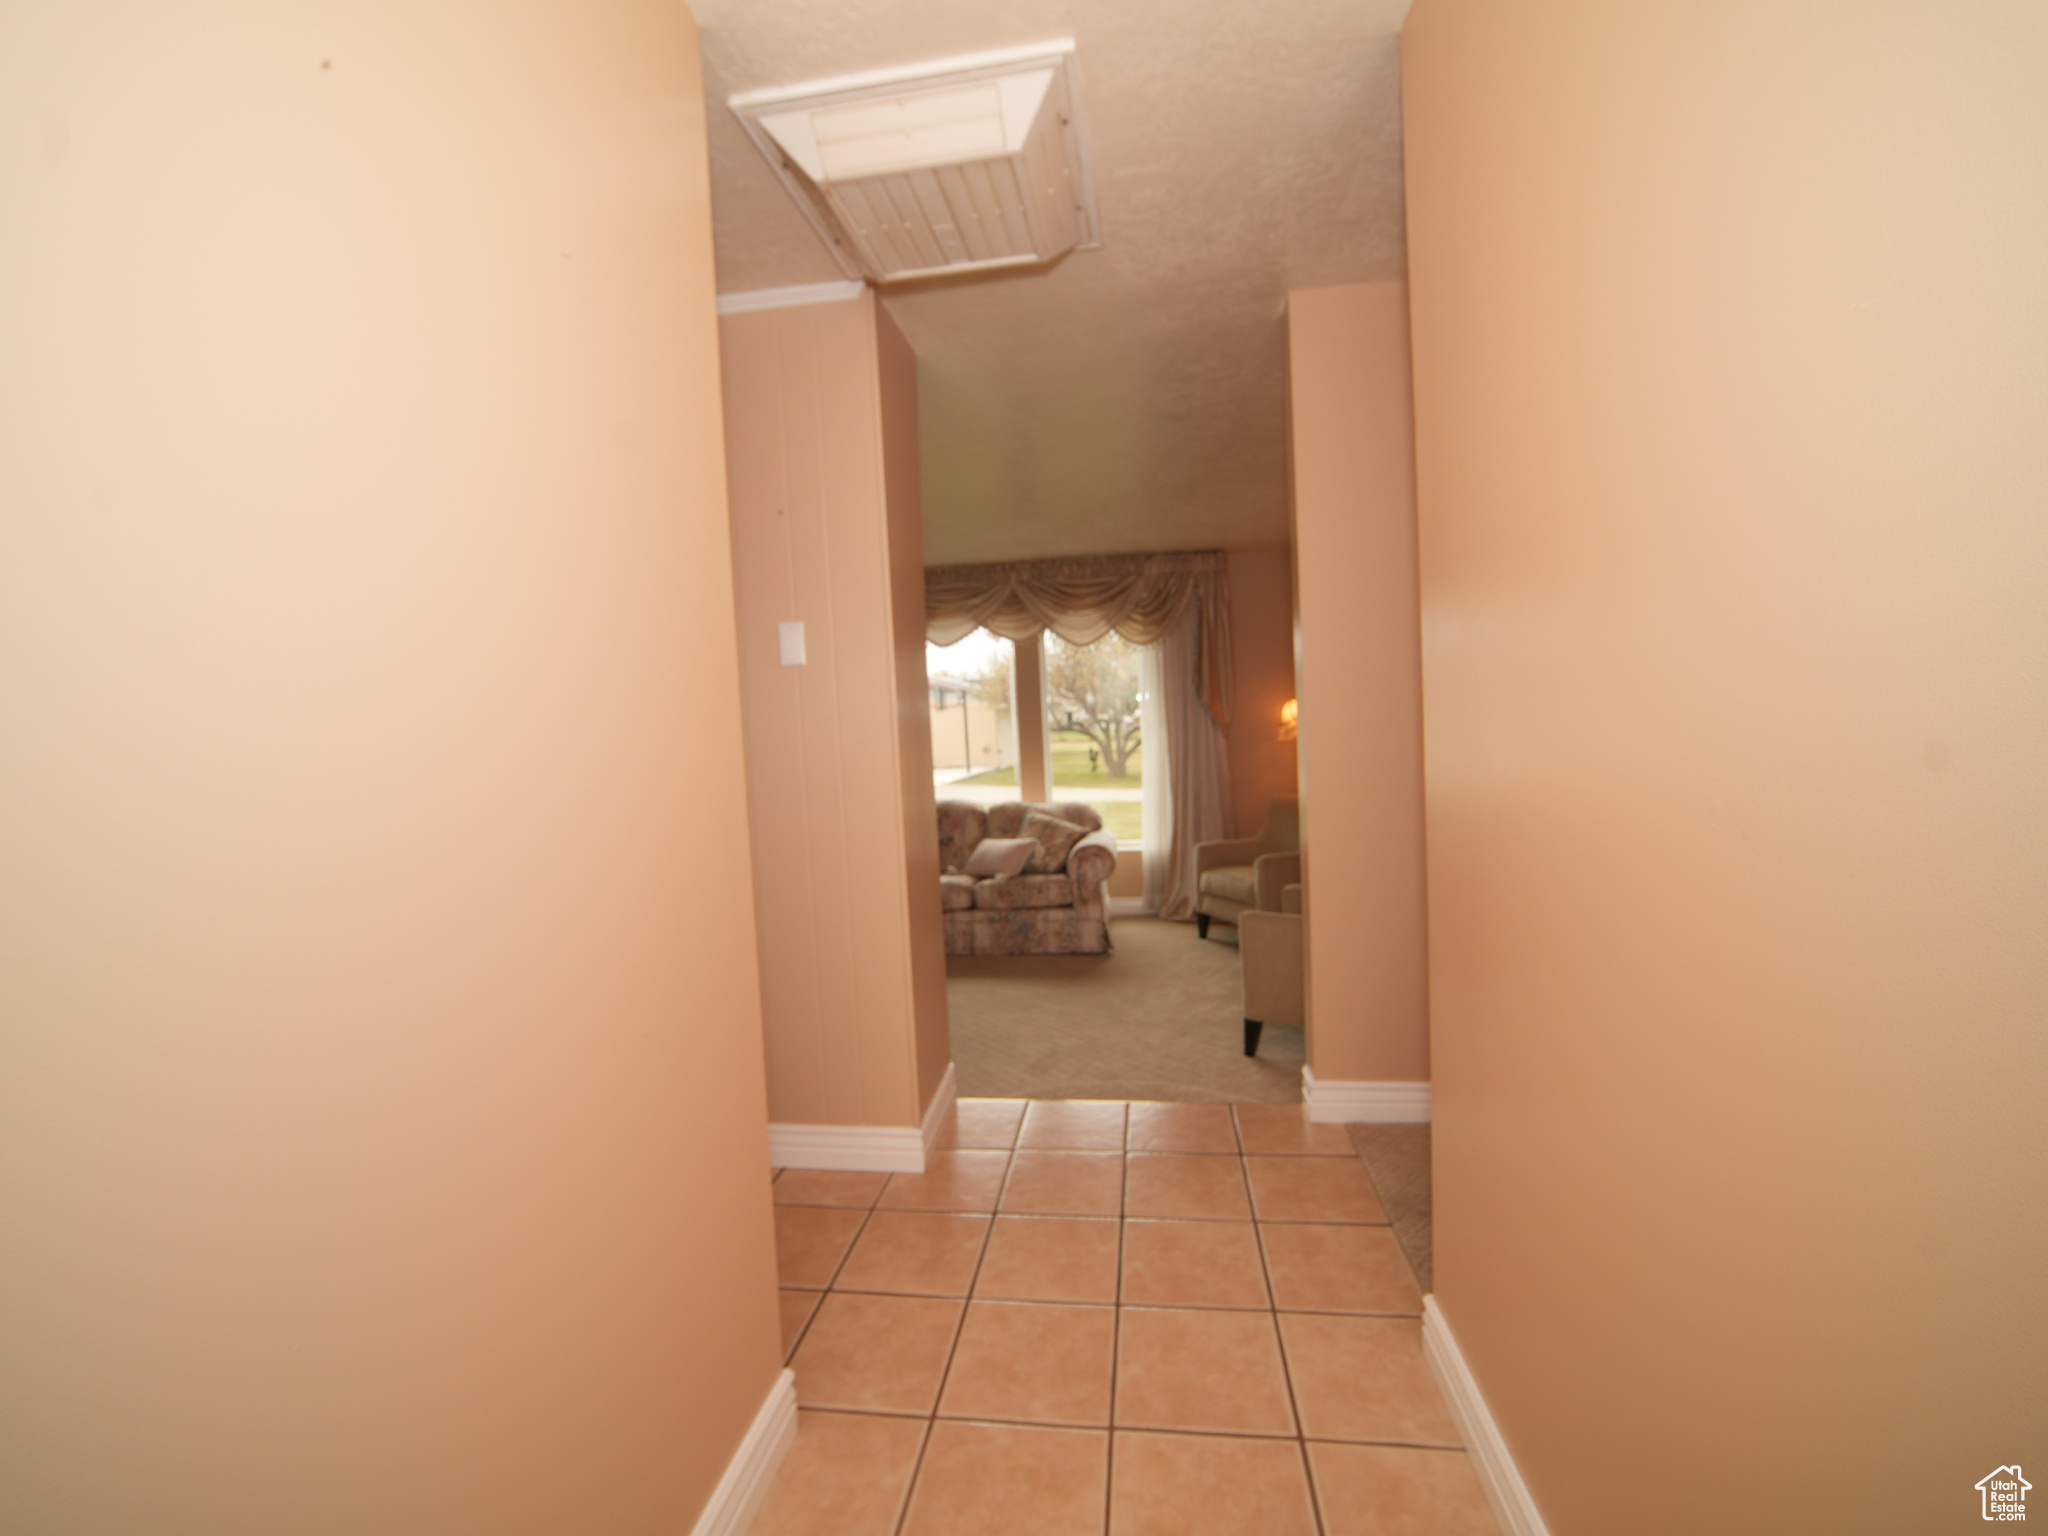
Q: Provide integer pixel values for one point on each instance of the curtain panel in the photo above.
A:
(1197, 771)
(1141, 597)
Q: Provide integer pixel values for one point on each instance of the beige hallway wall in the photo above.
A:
(827, 530)
(1731, 362)
(1262, 766)
(1361, 688)
(381, 1121)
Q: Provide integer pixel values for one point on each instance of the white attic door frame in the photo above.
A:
(966, 164)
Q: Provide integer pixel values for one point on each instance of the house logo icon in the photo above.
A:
(2005, 1494)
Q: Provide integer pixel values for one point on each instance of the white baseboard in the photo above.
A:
(1505, 1491)
(941, 1105)
(1131, 906)
(751, 1472)
(863, 1148)
(1333, 1101)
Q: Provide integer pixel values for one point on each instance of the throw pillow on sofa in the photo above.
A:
(1053, 838)
(1000, 856)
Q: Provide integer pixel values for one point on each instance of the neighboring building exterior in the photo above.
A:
(967, 731)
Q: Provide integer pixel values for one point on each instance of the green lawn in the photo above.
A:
(1070, 770)
(1070, 764)
(1126, 818)
(1072, 780)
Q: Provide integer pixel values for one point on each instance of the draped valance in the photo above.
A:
(1141, 597)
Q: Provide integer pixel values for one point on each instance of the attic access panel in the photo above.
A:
(963, 165)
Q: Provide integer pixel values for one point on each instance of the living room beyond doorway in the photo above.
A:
(1061, 983)
(1158, 1017)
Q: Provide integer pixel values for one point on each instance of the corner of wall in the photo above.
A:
(1357, 594)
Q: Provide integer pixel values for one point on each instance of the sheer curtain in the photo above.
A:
(1158, 777)
(1198, 760)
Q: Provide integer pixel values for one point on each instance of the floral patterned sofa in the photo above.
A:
(1061, 912)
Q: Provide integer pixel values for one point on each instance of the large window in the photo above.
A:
(1094, 713)
(1090, 717)
(974, 731)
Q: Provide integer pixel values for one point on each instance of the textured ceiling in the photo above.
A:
(1132, 397)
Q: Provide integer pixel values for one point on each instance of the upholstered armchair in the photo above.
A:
(1269, 944)
(1227, 873)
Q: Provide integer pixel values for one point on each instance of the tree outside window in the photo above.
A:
(1094, 710)
(1094, 719)
(1093, 693)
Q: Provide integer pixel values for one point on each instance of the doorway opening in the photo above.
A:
(1079, 731)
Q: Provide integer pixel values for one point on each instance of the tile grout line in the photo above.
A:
(960, 1327)
(924, 1444)
(1179, 1430)
(802, 1333)
(789, 1355)
(951, 1210)
(1302, 1441)
(1116, 1329)
(859, 1232)
(1315, 1503)
(1151, 1306)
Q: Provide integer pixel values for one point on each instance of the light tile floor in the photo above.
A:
(1090, 1317)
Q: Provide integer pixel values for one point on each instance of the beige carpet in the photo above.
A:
(1158, 1017)
(1397, 1160)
